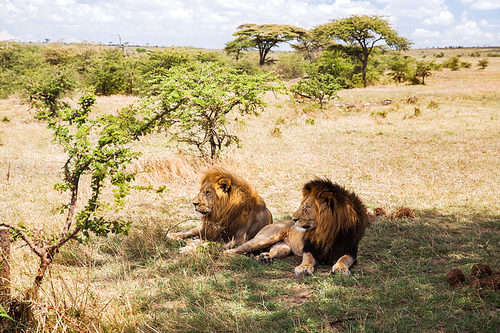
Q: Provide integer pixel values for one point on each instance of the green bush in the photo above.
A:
(108, 73)
(483, 63)
(48, 85)
(247, 66)
(400, 69)
(290, 65)
(465, 64)
(209, 56)
(343, 69)
(453, 63)
(204, 94)
(422, 71)
(58, 55)
(320, 87)
(15, 61)
(164, 59)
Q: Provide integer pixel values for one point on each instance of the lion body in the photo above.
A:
(230, 209)
(326, 228)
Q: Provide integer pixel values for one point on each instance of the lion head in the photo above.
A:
(227, 204)
(332, 218)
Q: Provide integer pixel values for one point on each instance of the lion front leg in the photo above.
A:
(267, 236)
(278, 250)
(192, 246)
(185, 234)
(307, 265)
(342, 265)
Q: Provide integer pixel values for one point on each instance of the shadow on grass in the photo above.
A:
(398, 285)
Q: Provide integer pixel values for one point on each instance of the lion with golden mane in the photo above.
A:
(326, 228)
(230, 209)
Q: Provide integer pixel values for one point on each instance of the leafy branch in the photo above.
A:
(96, 147)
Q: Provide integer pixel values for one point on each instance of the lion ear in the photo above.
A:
(224, 184)
(326, 196)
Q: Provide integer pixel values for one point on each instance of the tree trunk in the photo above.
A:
(365, 64)
(213, 147)
(4, 267)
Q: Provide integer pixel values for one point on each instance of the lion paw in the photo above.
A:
(192, 246)
(232, 251)
(306, 269)
(174, 236)
(265, 258)
(187, 250)
(341, 269)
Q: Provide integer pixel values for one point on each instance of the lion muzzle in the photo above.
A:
(197, 210)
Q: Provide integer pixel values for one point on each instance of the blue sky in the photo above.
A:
(211, 23)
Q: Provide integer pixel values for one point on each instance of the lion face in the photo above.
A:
(305, 216)
(204, 201)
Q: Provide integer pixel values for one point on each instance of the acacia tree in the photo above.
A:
(400, 69)
(424, 69)
(210, 92)
(310, 43)
(319, 87)
(237, 46)
(262, 37)
(360, 35)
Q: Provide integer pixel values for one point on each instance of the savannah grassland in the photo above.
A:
(437, 153)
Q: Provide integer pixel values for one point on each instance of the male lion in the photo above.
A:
(326, 228)
(230, 210)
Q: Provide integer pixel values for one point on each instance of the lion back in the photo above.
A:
(341, 223)
(236, 206)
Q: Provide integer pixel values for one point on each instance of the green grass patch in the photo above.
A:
(398, 285)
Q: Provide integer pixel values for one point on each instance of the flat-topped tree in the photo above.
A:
(361, 35)
(262, 37)
(310, 43)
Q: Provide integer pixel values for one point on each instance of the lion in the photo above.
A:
(326, 228)
(230, 209)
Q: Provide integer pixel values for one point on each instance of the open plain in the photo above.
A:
(432, 148)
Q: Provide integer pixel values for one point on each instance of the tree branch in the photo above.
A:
(36, 249)
(146, 126)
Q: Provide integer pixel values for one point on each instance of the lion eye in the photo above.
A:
(207, 193)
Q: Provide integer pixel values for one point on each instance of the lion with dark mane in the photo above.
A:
(326, 228)
(230, 209)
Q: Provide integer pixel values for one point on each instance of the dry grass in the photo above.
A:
(437, 153)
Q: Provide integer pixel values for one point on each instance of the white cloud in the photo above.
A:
(489, 36)
(486, 5)
(211, 23)
(4, 35)
(483, 23)
(467, 28)
(425, 33)
(65, 2)
(443, 17)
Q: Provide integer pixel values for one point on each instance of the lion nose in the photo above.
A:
(295, 220)
(195, 204)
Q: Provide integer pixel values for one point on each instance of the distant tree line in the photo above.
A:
(350, 52)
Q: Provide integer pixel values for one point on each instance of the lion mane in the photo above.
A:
(231, 210)
(342, 219)
(326, 228)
